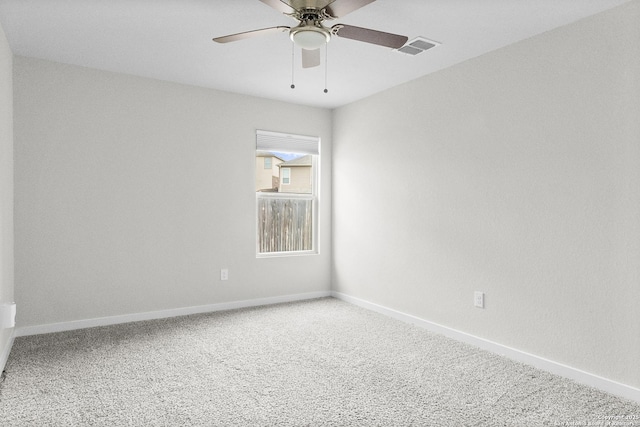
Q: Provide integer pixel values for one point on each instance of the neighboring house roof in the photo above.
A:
(265, 154)
(300, 161)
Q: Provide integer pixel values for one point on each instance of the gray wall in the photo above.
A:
(515, 173)
(131, 194)
(6, 181)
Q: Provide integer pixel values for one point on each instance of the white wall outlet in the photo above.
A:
(224, 274)
(8, 315)
(478, 299)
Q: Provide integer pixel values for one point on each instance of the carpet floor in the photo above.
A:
(313, 363)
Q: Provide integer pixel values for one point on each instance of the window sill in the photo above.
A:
(285, 254)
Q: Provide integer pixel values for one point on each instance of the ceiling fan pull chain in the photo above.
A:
(293, 54)
(326, 66)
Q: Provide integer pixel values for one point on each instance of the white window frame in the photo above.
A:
(268, 141)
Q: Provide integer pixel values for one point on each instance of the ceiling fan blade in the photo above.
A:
(249, 34)
(366, 35)
(310, 58)
(278, 5)
(339, 8)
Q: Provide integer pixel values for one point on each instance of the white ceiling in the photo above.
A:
(171, 40)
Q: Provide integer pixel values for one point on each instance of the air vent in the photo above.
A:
(417, 45)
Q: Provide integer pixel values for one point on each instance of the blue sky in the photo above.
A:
(287, 156)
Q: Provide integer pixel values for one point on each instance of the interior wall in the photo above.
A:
(131, 194)
(515, 173)
(6, 181)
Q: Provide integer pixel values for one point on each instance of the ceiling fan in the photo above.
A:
(310, 34)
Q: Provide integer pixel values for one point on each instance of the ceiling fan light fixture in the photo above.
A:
(310, 37)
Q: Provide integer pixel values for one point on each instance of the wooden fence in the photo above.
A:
(285, 225)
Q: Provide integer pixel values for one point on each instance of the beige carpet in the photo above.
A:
(312, 363)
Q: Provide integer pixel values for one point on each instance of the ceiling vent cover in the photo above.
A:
(418, 45)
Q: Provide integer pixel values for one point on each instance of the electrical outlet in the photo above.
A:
(224, 274)
(478, 299)
(8, 315)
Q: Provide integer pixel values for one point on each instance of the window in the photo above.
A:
(287, 199)
(285, 174)
(267, 163)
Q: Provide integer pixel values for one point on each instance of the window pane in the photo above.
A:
(288, 173)
(285, 225)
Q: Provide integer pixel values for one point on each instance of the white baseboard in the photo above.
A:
(4, 353)
(577, 375)
(161, 314)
